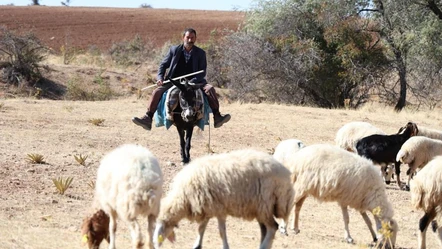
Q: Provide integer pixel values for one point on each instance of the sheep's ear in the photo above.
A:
(171, 237)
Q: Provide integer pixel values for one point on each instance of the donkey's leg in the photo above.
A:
(182, 144)
(188, 145)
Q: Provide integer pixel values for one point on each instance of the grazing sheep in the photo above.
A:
(329, 173)
(426, 195)
(245, 183)
(129, 184)
(286, 148)
(418, 151)
(382, 149)
(95, 229)
(349, 134)
(431, 133)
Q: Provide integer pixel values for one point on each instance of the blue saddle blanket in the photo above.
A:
(162, 118)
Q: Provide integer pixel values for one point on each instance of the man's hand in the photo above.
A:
(160, 83)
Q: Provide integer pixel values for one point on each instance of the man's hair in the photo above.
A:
(190, 30)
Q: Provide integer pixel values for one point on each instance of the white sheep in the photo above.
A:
(129, 184)
(426, 195)
(418, 151)
(349, 134)
(329, 173)
(286, 148)
(429, 132)
(247, 184)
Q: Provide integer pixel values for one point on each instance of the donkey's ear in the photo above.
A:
(177, 84)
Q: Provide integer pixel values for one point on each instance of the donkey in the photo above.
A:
(186, 115)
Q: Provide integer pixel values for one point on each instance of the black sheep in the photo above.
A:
(382, 149)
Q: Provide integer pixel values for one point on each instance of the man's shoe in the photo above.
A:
(145, 122)
(220, 120)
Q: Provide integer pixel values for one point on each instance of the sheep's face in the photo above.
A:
(94, 229)
(163, 231)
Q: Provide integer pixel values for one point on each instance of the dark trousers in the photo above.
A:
(158, 93)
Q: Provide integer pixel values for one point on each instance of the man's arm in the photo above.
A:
(201, 65)
(165, 64)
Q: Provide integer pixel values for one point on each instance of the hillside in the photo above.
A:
(83, 27)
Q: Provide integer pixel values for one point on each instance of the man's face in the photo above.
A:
(189, 39)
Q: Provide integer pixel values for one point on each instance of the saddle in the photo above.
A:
(172, 102)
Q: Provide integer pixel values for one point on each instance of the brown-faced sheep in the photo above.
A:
(95, 229)
(245, 183)
(129, 184)
(329, 173)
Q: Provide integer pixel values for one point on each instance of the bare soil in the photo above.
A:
(33, 215)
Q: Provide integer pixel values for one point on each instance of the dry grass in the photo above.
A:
(59, 129)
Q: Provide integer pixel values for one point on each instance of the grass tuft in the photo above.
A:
(36, 158)
(96, 121)
(91, 184)
(62, 184)
(81, 159)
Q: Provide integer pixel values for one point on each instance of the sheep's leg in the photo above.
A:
(397, 168)
(385, 173)
(298, 205)
(112, 229)
(369, 225)
(201, 229)
(135, 232)
(438, 231)
(263, 230)
(423, 225)
(222, 231)
(150, 229)
(347, 236)
(268, 230)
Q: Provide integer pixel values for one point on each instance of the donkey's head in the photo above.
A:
(187, 100)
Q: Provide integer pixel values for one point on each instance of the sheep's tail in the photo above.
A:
(402, 156)
(150, 196)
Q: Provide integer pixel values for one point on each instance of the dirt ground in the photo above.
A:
(85, 27)
(34, 216)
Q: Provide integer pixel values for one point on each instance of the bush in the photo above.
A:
(129, 53)
(20, 56)
(79, 89)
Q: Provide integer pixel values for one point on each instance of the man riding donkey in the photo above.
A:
(182, 60)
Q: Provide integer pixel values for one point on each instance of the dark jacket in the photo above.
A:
(173, 56)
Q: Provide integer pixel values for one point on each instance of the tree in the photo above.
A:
(35, 2)
(306, 52)
(410, 32)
